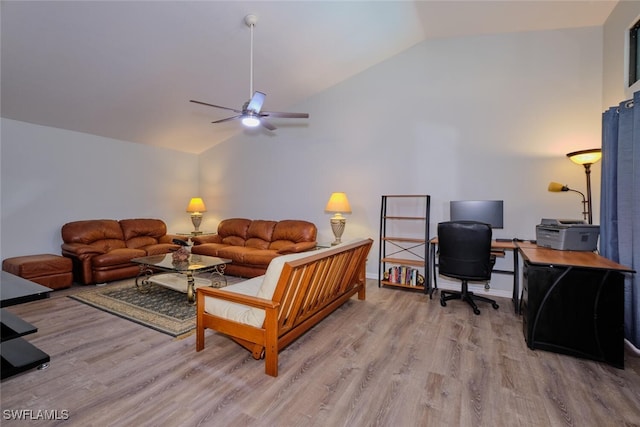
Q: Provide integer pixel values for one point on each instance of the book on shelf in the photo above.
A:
(403, 275)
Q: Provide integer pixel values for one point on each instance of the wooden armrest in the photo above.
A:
(239, 298)
(498, 253)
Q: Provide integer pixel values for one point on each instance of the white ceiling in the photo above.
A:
(127, 69)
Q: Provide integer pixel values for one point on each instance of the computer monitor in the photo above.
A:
(487, 211)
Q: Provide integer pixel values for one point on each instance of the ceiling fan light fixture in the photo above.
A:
(250, 121)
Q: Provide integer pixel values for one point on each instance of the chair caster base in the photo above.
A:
(467, 297)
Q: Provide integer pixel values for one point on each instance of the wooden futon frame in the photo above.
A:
(308, 289)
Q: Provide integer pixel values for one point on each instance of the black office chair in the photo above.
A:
(465, 254)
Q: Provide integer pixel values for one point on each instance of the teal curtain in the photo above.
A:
(620, 202)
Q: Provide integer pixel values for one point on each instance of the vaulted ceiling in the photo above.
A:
(127, 69)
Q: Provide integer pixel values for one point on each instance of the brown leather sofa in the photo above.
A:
(102, 249)
(252, 244)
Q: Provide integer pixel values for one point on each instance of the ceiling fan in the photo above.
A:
(251, 113)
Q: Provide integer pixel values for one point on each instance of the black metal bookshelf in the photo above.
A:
(404, 242)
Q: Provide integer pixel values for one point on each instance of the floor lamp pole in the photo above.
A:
(587, 171)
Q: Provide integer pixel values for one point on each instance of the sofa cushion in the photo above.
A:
(210, 249)
(259, 234)
(260, 256)
(289, 231)
(93, 231)
(233, 231)
(141, 242)
(234, 253)
(234, 311)
(108, 245)
(233, 241)
(142, 231)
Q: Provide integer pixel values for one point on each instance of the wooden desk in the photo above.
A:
(535, 254)
(573, 303)
(495, 246)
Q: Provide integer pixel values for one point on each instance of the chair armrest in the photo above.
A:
(297, 247)
(238, 298)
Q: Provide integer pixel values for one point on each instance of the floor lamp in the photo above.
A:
(586, 158)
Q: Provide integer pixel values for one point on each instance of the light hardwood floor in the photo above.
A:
(396, 359)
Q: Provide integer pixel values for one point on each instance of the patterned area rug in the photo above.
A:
(162, 309)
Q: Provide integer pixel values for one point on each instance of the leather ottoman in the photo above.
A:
(52, 271)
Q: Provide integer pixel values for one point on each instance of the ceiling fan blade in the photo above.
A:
(267, 125)
(216, 106)
(285, 115)
(256, 101)
(227, 119)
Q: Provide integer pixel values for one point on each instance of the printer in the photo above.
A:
(567, 235)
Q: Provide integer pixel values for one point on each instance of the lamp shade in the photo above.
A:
(585, 157)
(196, 205)
(338, 202)
(557, 187)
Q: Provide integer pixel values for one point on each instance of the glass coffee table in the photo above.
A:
(164, 271)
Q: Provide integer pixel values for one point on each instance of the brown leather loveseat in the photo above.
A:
(102, 249)
(252, 244)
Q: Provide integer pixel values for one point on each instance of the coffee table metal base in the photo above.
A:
(175, 281)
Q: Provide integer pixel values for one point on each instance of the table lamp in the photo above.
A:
(196, 207)
(586, 158)
(338, 204)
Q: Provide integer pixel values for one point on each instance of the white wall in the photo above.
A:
(488, 117)
(615, 65)
(52, 176)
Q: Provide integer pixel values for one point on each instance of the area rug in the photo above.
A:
(162, 309)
